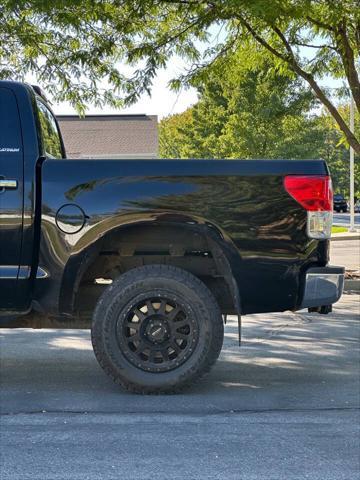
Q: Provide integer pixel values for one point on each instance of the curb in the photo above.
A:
(352, 285)
(340, 236)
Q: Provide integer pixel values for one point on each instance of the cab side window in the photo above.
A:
(49, 132)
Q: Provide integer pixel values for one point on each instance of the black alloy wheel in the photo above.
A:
(157, 334)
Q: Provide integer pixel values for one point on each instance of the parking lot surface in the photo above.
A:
(283, 406)
(346, 253)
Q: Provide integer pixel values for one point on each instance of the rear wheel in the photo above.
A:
(157, 329)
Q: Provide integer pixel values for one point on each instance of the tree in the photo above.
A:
(250, 113)
(173, 133)
(71, 45)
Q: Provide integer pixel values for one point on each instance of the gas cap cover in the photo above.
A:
(70, 218)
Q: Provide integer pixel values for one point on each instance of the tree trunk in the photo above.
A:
(348, 60)
(353, 141)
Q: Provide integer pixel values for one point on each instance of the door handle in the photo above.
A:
(8, 184)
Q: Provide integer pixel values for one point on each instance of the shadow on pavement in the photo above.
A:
(287, 361)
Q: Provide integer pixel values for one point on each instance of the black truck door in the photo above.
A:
(11, 198)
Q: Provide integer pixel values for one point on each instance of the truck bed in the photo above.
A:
(242, 202)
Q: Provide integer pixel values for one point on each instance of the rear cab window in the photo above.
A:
(49, 132)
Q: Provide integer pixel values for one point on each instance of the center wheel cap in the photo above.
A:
(157, 331)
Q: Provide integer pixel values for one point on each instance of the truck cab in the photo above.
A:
(28, 134)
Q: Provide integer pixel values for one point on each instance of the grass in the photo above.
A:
(338, 229)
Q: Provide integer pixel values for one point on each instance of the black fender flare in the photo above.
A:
(223, 250)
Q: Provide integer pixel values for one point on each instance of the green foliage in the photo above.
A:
(335, 229)
(71, 45)
(251, 113)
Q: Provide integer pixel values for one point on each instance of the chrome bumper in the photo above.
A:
(323, 286)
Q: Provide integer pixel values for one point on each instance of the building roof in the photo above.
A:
(110, 136)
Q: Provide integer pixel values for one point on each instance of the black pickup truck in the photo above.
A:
(155, 253)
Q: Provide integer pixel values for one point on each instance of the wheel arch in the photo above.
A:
(198, 231)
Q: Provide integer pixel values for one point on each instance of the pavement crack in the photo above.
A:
(176, 413)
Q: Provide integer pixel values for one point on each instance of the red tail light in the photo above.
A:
(313, 192)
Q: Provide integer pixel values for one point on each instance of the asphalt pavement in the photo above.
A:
(283, 406)
(345, 253)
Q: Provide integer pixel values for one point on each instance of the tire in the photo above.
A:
(157, 329)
